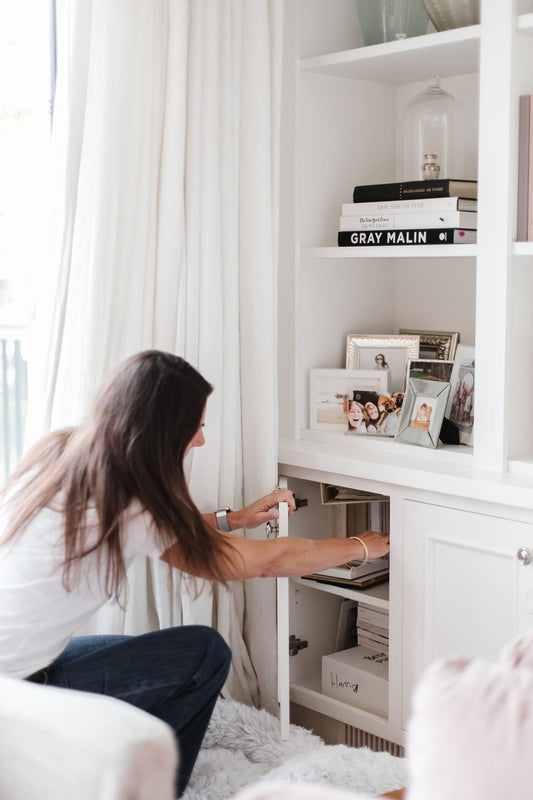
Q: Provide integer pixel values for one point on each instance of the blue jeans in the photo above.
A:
(175, 674)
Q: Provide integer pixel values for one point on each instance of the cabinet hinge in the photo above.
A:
(295, 645)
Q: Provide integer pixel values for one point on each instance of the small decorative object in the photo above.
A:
(422, 412)
(435, 344)
(330, 390)
(447, 14)
(433, 135)
(378, 351)
(389, 20)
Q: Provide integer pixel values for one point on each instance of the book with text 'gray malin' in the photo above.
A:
(416, 236)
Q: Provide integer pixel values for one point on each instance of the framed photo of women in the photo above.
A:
(331, 389)
(460, 408)
(388, 351)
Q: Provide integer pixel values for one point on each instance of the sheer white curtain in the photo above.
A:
(165, 217)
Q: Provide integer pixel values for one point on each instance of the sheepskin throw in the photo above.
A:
(243, 746)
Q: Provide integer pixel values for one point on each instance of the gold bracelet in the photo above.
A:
(365, 548)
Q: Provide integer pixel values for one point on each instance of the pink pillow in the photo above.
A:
(519, 652)
(471, 729)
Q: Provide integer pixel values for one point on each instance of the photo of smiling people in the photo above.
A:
(374, 412)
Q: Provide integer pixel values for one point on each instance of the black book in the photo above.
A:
(408, 190)
(411, 236)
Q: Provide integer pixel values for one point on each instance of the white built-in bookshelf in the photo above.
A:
(342, 126)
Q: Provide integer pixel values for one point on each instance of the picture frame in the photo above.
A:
(430, 369)
(363, 351)
(423, 411)
(329, 387)
(441, 345)
(460, 407)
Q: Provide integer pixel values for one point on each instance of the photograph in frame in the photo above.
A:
(460, 408)
(330, 390)
(436, 344)
(364, 351)
(423, 411)
(430, 369)
(374, 413)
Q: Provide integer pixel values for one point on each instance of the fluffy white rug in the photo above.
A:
(243, 746)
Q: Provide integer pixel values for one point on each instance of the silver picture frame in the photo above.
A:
(363, 351)
(423, 411)
(436, 344)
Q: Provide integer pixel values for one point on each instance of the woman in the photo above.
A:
(356, 417)
(85, 502)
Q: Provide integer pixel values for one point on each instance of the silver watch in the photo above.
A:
(221, 515)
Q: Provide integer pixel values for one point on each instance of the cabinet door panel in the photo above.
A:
(464, 591)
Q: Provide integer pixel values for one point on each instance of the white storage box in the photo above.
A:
(358, 676)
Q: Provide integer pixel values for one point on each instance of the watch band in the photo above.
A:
(221, 515)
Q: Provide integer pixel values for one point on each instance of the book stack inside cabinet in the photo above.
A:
(410, 213)
(373, 627)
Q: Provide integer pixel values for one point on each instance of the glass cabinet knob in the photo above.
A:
(524, 555)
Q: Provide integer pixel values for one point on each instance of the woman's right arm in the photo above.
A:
(288, 556)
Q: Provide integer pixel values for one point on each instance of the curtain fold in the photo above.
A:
(165, 215)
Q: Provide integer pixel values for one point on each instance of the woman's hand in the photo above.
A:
(261, 511)
(377, 545)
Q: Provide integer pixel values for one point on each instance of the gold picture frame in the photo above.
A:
(439, 345)
(363, 351)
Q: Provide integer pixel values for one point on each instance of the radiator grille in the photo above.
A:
(355, 737)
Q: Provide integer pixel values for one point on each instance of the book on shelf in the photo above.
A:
(406, 236)
(433, 204)
(343, 494)
(347, 625)
(407, 190)
(428, 219)
(353, 583)
(373, 616)
(350, 571)
(524, 222)
(368, 641)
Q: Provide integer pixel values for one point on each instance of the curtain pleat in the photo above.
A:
(165, 215)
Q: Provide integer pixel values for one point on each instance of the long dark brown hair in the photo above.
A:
(131, 446)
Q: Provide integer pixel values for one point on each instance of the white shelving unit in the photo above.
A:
(342, 127)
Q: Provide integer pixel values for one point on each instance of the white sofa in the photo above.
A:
(59, 744)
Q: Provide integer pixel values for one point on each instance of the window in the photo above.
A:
(25, 116)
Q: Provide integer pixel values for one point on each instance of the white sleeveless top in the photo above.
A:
(38, 616)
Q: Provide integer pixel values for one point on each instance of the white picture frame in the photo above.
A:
(363, 351)
(328, 387)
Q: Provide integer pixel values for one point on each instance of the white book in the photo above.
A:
(408, 206)
(425, 219)
(352, 571)
(367, 641)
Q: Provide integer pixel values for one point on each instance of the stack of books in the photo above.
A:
(410, 213)
(373, 628)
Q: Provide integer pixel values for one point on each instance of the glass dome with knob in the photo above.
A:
(433, 135)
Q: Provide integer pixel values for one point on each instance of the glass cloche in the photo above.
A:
(433, 135)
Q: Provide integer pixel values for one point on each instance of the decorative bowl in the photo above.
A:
(446, 14)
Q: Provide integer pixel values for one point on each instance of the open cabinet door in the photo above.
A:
(283, 628)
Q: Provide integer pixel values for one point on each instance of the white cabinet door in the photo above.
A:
(465, 591)
(283, 628)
